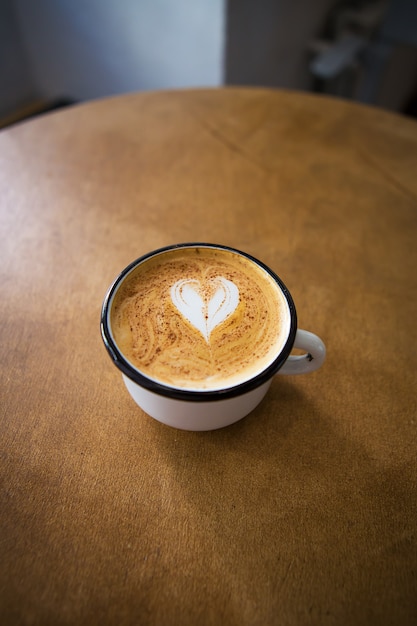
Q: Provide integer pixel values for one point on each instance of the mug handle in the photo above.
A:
(304, 363)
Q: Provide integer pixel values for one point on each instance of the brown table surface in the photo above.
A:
(305, 512)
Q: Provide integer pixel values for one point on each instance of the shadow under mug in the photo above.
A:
(201, 410)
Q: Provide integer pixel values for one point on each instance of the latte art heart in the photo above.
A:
(205, 306)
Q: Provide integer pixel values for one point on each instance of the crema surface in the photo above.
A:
(199, 318)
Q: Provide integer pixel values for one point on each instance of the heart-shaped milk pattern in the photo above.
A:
(205, 313)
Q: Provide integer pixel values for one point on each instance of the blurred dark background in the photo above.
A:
(57, 52)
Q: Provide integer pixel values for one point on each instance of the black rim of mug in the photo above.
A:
(187, 394)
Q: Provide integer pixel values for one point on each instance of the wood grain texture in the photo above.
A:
(303, 513)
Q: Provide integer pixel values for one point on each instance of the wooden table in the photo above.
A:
(303, 513)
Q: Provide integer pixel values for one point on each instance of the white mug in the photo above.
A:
(203, 410)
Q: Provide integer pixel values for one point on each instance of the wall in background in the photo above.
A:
(83, 49)
(17, 85)
(268, 41)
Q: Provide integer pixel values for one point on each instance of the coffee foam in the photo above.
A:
(199, 318)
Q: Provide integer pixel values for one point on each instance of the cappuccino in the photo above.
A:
(199, 318)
